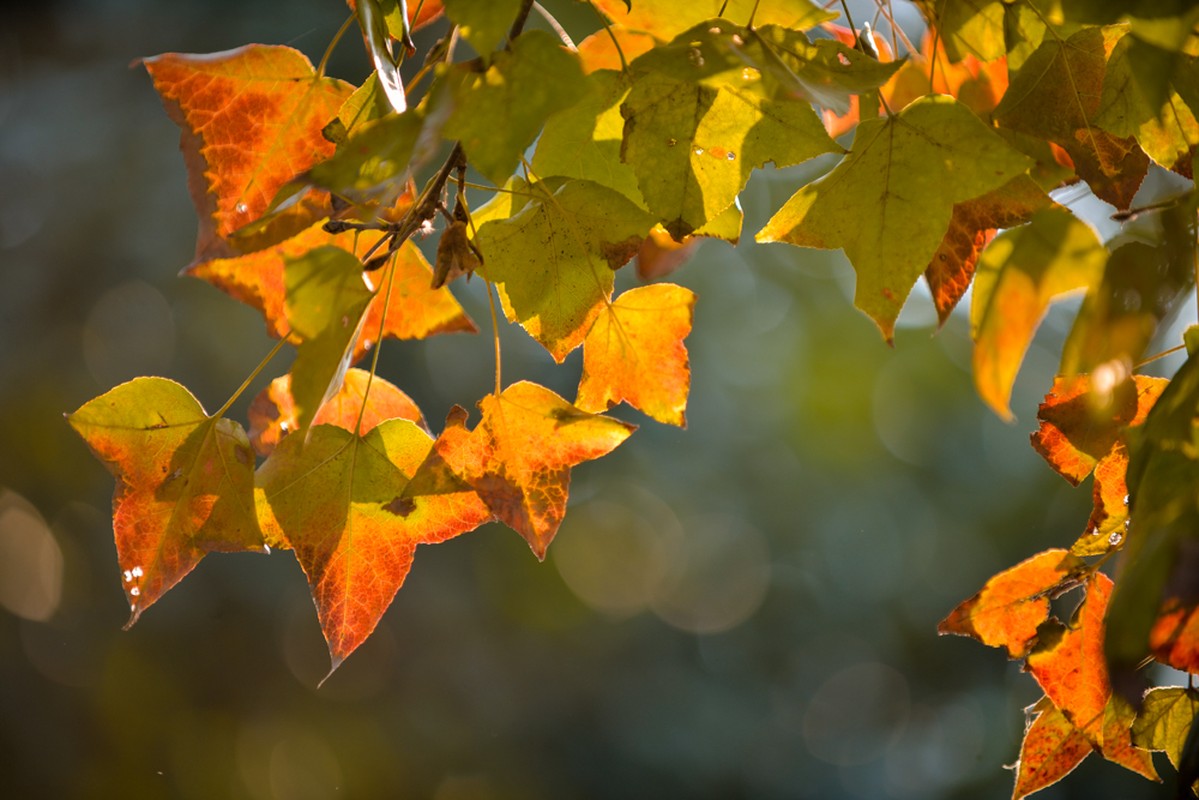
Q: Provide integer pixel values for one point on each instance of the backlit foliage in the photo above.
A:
(941, 159)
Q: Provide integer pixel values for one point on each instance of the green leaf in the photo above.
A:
(825, 71)
(1149, 270)
(969, 27)
(485, 25)
(497, 113)
(1139, 100)
(374, 162)
(1018, 275)
(584, 141)
(1165, 719)
(1163, 471)
(184, 483)
(889, 202)
(366, 104)
(378, 40)
(326, 300)
(554, 260)
(697, 122)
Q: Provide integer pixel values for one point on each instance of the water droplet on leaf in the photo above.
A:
(1115, 538)
(731, 156)
(241, 208)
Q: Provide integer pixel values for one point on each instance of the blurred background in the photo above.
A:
(746, 608)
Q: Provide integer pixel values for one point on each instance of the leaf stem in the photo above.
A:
(257, 370)
(624, 64)
(345, 26)
(1162, 354)
(495, 328)
(378, 345)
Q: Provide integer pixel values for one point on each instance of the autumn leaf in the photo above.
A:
(599, 51)
(497, 113)
(977, 84)
(326, 300)
(968, 27)
(420, 14)
(1080, 424)
(554, 259)
(972, 226)
(184, 483)
(1159, 560)
(693, 134)
(1069, 665)
(272, 413)
(889, 203)
(415, 312)
(519, 457)
(1007, 611)
(414, 309)
(1055, 95)
(1051, 749)
(666, 19)
(1019, 275)
(336, 500)
(660, 254)
(634, 353)
(251, 120)
(1082, 430)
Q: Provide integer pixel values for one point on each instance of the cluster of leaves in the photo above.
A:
(643, 136)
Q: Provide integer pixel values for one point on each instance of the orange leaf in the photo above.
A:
(420, 12)
(519, 457)
(1081, 425)
(634, 353)
(415, 311)
(598, 51)
(272, 414)
(251, 120)
(1008, 609)
(1051, 749)
(1174, 637)
(1072, 669)
(971, 228)
(336, 500)
(184, 483)
(661, 255)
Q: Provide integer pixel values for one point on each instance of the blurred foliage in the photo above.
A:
(744, 608)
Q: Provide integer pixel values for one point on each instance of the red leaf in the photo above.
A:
(971, 228)
(1008, 609)
(1072, 669)
(184, 483)
(1051, 749)
(336, 500)
(251, 120)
